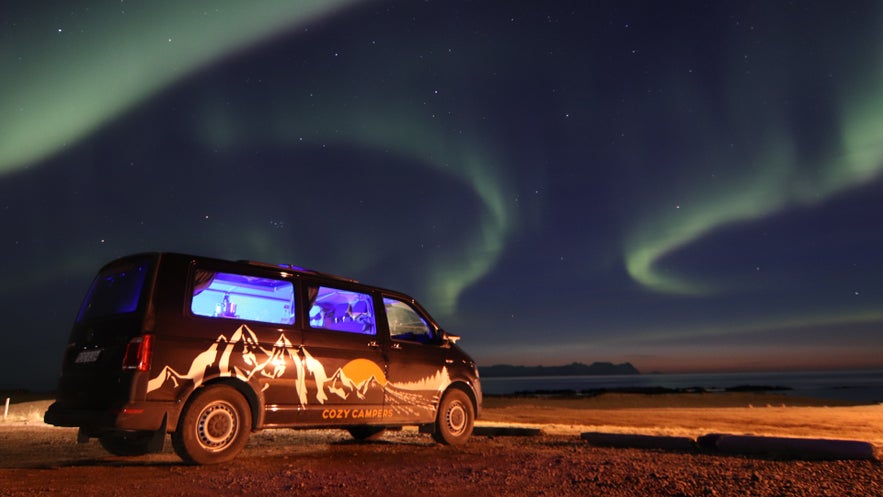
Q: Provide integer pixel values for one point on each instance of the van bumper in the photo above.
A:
(133, 416)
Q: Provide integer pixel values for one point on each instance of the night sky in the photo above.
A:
(688, 186)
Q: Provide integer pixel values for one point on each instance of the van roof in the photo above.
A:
(292, 267)
(267, 265)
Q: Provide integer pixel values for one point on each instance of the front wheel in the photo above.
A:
(214, 427)
(455, 418)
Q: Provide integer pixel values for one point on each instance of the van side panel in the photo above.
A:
(305, 349)
(341, 379)
(192, 351)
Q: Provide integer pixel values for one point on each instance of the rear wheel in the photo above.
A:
(366, 432)
(125, 443)
(214, 427)
(455, 418)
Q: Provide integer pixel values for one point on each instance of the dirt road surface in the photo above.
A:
(39, 460)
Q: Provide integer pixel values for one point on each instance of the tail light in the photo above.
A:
(138, 352)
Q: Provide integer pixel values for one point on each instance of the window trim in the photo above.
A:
(309, 304)
(284, 277)
(432, 330)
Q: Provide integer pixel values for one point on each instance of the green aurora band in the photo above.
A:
(67, 73)
(69, 81)
(776, 180)
(63, 80)
(396, 131)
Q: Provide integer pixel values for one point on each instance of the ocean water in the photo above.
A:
(859, 386)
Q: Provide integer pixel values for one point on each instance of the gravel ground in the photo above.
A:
(39, 460)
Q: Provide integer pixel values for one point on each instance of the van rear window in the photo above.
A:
(243, 297)
(116, 290)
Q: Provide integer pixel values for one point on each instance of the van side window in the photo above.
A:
(239, 296)
(341, 310)
(405, 323)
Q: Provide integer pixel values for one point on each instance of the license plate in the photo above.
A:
(87, 356)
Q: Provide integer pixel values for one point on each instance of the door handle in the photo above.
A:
(373, 344)
(396, 346)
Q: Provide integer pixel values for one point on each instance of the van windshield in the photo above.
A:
(116, 290)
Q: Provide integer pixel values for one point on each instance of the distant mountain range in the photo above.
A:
(573, 369)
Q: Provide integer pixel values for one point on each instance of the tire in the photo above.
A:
(124, 443)
(455, 418)
(366, 432)
(214, 427)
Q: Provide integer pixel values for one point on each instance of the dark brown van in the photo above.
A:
(210, 350)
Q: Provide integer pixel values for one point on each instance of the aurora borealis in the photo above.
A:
(685, 186)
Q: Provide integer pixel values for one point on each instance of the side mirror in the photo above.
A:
(448, 337)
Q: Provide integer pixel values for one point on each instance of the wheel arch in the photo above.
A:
(254, 399)
(468, 390)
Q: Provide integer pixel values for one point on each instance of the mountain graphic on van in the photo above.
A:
(359, 377)
(241, 356)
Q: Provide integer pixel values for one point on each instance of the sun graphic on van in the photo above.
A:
(361, 370)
